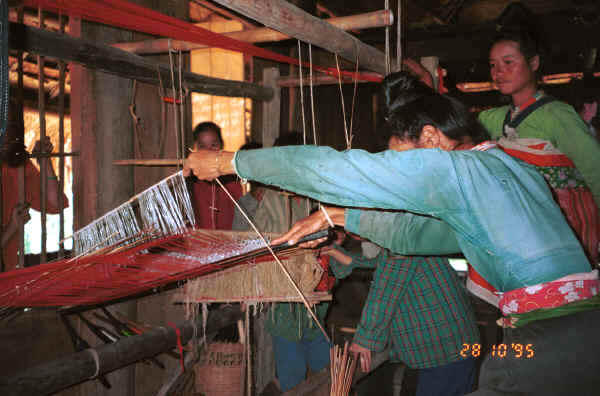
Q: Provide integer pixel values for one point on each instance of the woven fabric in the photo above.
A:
(416, 305)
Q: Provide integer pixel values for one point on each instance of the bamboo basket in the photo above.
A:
(220, 371)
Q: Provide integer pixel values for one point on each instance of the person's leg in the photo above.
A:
(453, 379)
(290, 363)
(551, 357)
(317, 353)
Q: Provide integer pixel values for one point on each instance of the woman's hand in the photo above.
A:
(208, 164)
(313, 223)
(364, 356)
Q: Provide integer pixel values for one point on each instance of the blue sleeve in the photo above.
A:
(422, 181)
(402, 232)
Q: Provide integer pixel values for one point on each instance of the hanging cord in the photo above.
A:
(137, 121)
(176, 123)
(181, 106)
(301, 92)
(351, 134)
(348, 143)
(163, 114)
(399, 37)
(281, 266)
(387, 42)
(312, 100)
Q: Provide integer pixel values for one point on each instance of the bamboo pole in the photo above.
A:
(49, 378)
(291, 20)
(259, 35)
(294, 81)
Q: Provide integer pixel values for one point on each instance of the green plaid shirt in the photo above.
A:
(417, 305)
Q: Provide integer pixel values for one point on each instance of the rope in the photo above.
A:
(301, 94)
(399, 37)
(312, 101)
(281, 266)
(343, 106)
(387, 42)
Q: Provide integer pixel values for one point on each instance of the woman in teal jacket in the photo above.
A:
(499, 209)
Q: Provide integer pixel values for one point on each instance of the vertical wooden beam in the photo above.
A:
(44, 160)
(272, 109)
(61, 146)
(21, 171)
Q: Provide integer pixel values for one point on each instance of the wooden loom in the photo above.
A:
(148, 243)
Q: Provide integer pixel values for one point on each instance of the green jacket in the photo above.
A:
(558, 123)
(417, 306)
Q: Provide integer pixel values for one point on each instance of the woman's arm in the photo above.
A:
(402, 232)
(422, 181)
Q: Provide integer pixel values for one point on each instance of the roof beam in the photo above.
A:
(291, 20)
(124, 64)
(260, 35)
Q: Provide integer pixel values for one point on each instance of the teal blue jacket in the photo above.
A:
(500, 209)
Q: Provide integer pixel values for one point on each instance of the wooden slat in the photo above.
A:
(291, 20)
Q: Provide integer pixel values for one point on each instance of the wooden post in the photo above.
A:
(62, 373)
(43, 161)
(272, 109)
(289, 19)
(259, 35)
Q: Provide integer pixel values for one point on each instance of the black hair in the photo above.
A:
(289, 139)
(251, 145)
(208, 126)
(517, 23)
(416, 106)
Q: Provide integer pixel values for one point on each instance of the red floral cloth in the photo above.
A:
(553, 294)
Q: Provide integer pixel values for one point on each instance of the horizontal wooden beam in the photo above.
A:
(291, 20)
(62, 373)
(294, 81)
(362, 21)
(124, 64)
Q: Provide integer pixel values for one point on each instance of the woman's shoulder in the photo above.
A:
(493, 119)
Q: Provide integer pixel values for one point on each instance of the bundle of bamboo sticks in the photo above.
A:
(342, 367)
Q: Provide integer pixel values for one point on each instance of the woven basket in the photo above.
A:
(220, 371)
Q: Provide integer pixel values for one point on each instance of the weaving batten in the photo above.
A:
(164, 209)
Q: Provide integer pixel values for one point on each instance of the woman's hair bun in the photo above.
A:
(401, 88)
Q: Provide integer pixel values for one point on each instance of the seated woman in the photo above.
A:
(503, 216)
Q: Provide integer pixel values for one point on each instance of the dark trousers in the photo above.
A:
(453, 379)
(565, 361)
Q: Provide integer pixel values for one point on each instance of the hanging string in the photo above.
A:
(181, 107)
(301, 93)
(399, 37)
(175, 117)
(281, 266)
(163, 114)
(387, 42)
(343, 106)
(351, 134)
(312, 100)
